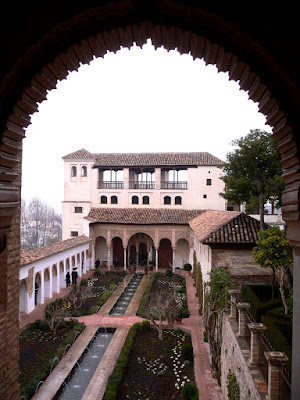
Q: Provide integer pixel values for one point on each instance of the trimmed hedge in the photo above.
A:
(276, 332)
(144, 301)
(116, 376)
(257, 307)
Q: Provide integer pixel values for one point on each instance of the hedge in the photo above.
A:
(257, 307)
(144, 301)
(116, 376)
(277, 338)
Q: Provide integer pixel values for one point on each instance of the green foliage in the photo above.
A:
(232, 387)
(258, 307)
(144, 301)
(187, 352)
(219, 284)
(189, 391)
(273, 250)
(97, 272)
(84, 282)
(169, 273)
(253, 170)
(40, 324)
(187, 267)
(290, 301)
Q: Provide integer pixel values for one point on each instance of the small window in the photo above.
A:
(178, 200)
(74, 233)
(146, 200)
(205, 196)
(208, 182)
(103, 200)
(84, 170)
(135, 200)
(78, 210)
(114, 200)
(73, 171)
(167, 200)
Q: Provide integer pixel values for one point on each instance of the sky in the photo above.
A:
(134, 100)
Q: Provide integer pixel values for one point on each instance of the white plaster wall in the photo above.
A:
(182, 253)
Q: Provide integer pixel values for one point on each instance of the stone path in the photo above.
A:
(207, 385)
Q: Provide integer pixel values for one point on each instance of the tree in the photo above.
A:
(40, 224)
(163, 305)
(274, 252)
(54, 315)
(253, 172)
(217, 301)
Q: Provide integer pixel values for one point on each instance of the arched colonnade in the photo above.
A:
(156, 246)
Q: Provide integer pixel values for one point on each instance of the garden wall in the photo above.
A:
(234, 356)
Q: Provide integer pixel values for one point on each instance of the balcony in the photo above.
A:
(141, 185)
(174, 185)
(110, 185)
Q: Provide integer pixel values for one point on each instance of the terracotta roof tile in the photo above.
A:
(141, 216)
(29, 256)
(146, 159)
(225, 227)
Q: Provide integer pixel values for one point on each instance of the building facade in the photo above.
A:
(182, 181)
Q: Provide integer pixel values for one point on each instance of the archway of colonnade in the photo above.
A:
(43, 46)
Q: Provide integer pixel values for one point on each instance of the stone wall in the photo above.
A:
(235, 356)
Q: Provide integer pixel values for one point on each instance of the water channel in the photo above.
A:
(121, 305)
(80, 376)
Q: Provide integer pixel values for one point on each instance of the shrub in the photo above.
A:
(232, 387)
(97, 272)
(39, 324)
(169, 273)
(145, 326)
(84, 282)
(189, 391)
(144, 301)
(187, 267)
(187, 352)
(185, 313)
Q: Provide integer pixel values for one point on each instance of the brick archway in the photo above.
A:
(56, 43)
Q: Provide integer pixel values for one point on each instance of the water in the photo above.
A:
(121, 305)
(84, 369)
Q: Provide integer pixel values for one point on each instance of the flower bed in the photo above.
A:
(89, 298)
(39, 350)
(151, 369)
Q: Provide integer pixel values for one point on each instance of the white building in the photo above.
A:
(189, 181)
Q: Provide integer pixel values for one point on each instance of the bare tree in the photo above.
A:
(40, 224)
(163, 306)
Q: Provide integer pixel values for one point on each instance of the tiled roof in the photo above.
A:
(29, 256)
(225, 227)
(141, 216)
(81, 154)
(146, 159)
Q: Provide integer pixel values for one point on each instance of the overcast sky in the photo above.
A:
(137, 100)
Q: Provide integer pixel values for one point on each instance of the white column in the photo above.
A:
(84, 262)
(173, 258)
(93, 256)
(57, 278)
(42, 288)
(156, 258)
(191, 260)
(108, 257)
(126, 178)
(65, 272)
(124, 257)
(50, 283)
(157, 178)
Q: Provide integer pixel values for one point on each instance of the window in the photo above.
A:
(73, 171)
(84, 170)
(208, 182)
(167, 200)
(103, 200)
(74, 233)
(78, 210)
(146, 200)
(114, 200)
(205, 196)
(229, 208)
(178, 200)
(135, 200)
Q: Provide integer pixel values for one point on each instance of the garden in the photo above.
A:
(152, 369)
(41, 349)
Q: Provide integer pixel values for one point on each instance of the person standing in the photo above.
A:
(74, 276)
(68, 279)
(97, 263)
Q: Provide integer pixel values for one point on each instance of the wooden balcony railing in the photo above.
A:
(174, 185)
(110, 185)
(141, 185)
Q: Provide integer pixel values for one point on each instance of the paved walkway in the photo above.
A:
(207, 385)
